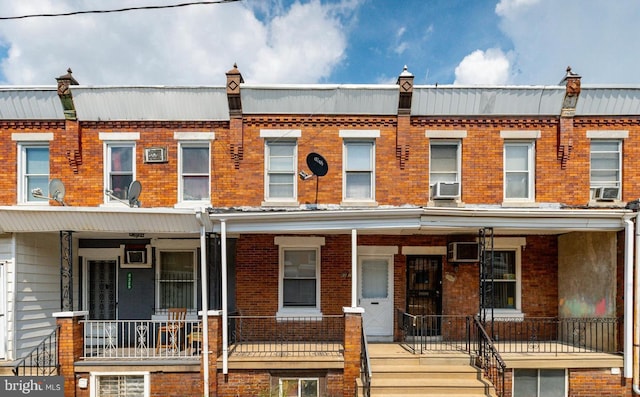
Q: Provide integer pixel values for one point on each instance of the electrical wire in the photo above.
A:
(66, 14)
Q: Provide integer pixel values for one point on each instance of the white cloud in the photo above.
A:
(189, 45)
(512, 7)
(483, 67)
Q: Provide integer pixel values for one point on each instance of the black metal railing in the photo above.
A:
(554, 335)
(282, 336)
(488, 359)
(42, 360)
(365, 365)
(436, 333)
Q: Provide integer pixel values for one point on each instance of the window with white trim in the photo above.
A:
(359, 166)
(195, 183)
(299, 387)
(33, 172)
(540, 382)
(120, 166)
(300, 277)
(502, 287)
(606, 166)
(444, 163)
(120, 385)
(280, 170)
(519, 166)
(176, 280)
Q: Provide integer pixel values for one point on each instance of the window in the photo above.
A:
(539, 382)
(34, 173)
(299, 387)
(299, 277)
(194, 173)
(120, 385)
(359, 160)
(177, 280)
(502, 287)
(518, 171)
(444, 166)
(280, 172)
(606, 166)
(120, 166)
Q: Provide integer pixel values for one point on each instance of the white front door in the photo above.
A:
(375, 290)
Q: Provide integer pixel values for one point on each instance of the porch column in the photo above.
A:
(70, 346)
(209, 358)
(354, 268)
(352, 348)
(66, 271)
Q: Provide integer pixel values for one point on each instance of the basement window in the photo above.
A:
(540, 382)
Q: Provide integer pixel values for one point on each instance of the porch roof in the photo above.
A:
(418, 220)
(98, 220)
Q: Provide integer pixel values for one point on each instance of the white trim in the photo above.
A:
(531, 168)
(353, 310)
(119, 136)
(285, 201)
(158, 281)
(107, 148)
(299, 241)
(518, 134)
(276, 133)
(71, 314)
(194, 136)
(414, 250)
(458, 170)
(446, 134)
(378, 250)
(607, 134)
(22, 192)
(359, 134)
(366, 201)
(205, 202)
(93, 380)
(32, 136)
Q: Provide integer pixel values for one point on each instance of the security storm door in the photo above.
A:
(376, 296)
(102, 289)
(424, 285)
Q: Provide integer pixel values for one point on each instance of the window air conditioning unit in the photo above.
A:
(607, 193)
(463, 252)
(136, 257)
(446, 190)
(155, 155)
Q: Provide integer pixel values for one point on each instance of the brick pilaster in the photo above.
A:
(352, 348)
(214, 332)
(70, 346)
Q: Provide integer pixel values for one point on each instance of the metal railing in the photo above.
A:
(554, 335)
(365, 365)
(424, 333)
(42, 360)
(141, 339)
(488, 358)
(284, 336)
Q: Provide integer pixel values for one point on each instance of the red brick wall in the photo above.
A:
(162, 384)
(597, 382)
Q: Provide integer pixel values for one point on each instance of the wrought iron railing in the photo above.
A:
(554, 335)
(42, 360)
(141, 339)
(365, 365)
(488, 358)
(274, 335)
(423, 333)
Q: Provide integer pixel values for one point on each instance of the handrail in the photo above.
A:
(492, 364)
(365, 365)
(42, 360)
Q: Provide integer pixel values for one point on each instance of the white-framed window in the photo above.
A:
(606, 167)
(120, 165)
(176, 280)
(519, 166)
(299, 275)
(281, 159)
(135, 384)
(540, 382)
(503, 288)
(359, 170)
(299, 387)
(33, 172)
(444, 168)
(194, 185)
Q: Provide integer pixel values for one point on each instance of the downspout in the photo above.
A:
(225, 314)
(354, 268)
(205, 297)
(635, 300)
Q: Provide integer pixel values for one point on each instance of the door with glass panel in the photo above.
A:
(375, 276)
(101, 303)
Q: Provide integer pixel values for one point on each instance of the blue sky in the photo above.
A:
(464, 42)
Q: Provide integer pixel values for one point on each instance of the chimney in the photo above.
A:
(405, 83)
(565, 133)
(64, 92)
(405, 86)
(234, 79)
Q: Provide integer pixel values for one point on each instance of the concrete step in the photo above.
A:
(429, 371)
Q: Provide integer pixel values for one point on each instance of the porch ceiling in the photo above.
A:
(99, 220)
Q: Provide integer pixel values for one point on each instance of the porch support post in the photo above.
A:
(66, 271)
(205, 302)
(352, 348)
(225, 311)
(354, 268)
(70, 346)
(627, 349)
(209, 365)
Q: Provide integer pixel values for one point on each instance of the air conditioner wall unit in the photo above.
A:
(463, 252)
(155, 155)
(446, 190)
(136, 256)
(607, 193)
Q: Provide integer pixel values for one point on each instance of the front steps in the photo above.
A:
(396, 372)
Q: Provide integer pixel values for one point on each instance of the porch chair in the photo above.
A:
(194, 339)
(173, 331)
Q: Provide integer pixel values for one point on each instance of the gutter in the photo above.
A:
(636, 310)
(628, 294)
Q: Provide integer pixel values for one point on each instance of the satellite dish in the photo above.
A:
(57, 190)
(317, 164)
(135, 188)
